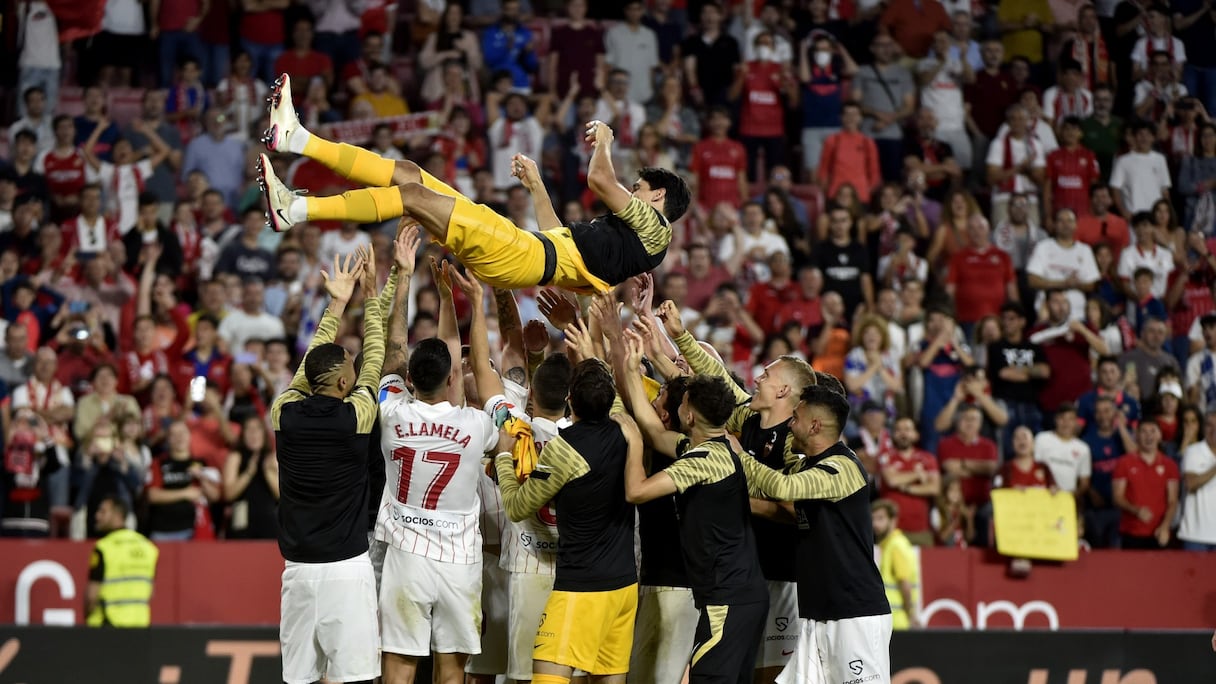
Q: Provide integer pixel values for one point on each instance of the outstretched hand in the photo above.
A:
(578, 342)
(557, 308)
(405, 248)
(346, 273)
(536, 337)
(525, 169)
(367, 255)
(604, 309)
(643, 294)
(670, 315)
(469, 285)
(443, 281)
(634, 350)
(598, 132)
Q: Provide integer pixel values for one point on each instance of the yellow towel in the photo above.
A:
(652, 387)
(524, 452)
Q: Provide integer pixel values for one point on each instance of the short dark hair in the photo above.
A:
(678, 195)
(1073, 121)
(118, 503)
(591, 390)
(676, 388)
(1142, 272)
(1140, 125)
(25, 134)
(551, 382)
(60, 118)
(209, 319)
(830, 381)
(102, 367)
(1107, 358)
(1096, 187)
(322, 360)
(826, 397)
(148, 198)
(712, 398)
(429, 365)
(1013, 308)
(887, 505)
(1066, 407)
(25, 94)
(1142, 217)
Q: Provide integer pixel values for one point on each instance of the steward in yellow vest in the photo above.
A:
(121, 571)
(898, 564)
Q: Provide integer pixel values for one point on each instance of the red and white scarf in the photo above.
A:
(1010, 185)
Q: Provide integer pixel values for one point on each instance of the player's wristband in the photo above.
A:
(508, 454)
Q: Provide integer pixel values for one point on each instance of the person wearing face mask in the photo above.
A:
(761, 83)
(823, 65)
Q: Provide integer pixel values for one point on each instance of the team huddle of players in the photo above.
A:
(753, 517)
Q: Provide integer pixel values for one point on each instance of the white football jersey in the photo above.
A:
(432, 458)
(531, 546)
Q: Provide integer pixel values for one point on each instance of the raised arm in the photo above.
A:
(560, 463)
(831, 479)
(448, 330)
(489, 384)
(91, 144)
(340, 287)
(660, 438)
(514, 362)
(601, 176)
(526, 171)
(160, 149)
(405, 255)
(698, 360)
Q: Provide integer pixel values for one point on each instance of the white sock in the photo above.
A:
(298, 139)
(297, 211)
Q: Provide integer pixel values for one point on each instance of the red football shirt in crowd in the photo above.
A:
(1068, 356)
(981, 278)
(718, 165)
(174, 14)
(1147, 483)
(849, 157)
(913, 509)
(1069, 174)
(303, 68)
(765, 300)
(975, 487)
(64, 175)
(264, 27)
(762, 114)
(1111, 229)
(1013, 477)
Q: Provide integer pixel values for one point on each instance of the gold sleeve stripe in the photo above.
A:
(652, 229)
(557, 464)
(705, 465)
(701, 362)
(327, 330)
(831, 479)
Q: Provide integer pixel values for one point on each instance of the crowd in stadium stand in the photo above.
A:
(995, 222)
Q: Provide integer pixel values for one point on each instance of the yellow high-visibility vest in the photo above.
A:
(126, 588)
(898, 561)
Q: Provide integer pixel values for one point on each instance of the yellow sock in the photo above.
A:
(355, 163)
(370, 205)
(549, 679)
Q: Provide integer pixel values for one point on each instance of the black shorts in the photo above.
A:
(727, 642)
(118, 49)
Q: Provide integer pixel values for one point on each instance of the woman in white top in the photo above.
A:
(871, 373)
